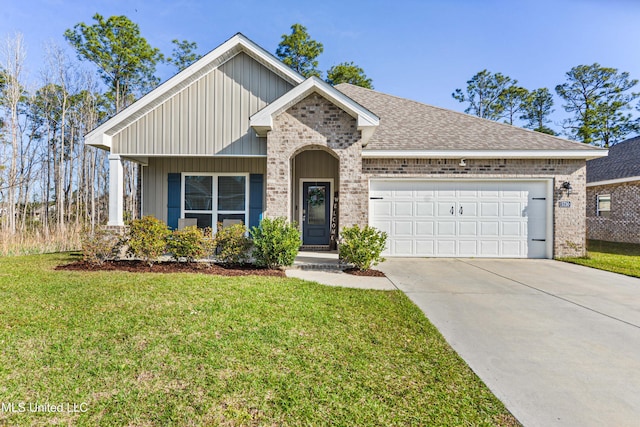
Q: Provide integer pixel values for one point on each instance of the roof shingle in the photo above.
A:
(411, 125)
(623, 161)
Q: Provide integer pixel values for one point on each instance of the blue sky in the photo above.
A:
(422, 50)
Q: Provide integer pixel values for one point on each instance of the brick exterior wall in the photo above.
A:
(316, 123)
(568, 223)
(623, 223)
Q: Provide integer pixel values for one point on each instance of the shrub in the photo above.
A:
(187, 243)
(148, 238)
(98, 245)
(362, 246)
(232, 244)
(276, 242)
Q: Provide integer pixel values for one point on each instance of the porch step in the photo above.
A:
(319, 260)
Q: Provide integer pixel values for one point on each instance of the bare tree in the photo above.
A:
(13, 57)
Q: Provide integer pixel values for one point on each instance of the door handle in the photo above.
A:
(451, 211)
(460, 210)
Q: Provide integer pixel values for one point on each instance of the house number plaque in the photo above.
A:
(564, 204)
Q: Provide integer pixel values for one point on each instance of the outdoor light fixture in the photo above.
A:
(567, 187)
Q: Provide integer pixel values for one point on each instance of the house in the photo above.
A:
(613, 194)
(238, 135)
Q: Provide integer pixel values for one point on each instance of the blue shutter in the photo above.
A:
(256, 181)
(173, 201)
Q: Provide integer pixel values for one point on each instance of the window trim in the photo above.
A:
(214, 212)
(598, 209)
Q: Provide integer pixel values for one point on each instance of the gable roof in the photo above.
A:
(622, 163)
(101, 136)
(421, 130)
(262, 121)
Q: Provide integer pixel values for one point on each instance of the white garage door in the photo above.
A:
(462, 218)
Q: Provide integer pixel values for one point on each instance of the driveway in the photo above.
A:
(558, 343)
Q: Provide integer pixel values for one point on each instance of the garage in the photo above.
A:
(492, 219)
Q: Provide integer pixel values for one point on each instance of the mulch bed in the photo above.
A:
(368, 273)
(136, 266)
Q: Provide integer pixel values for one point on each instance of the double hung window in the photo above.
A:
(213, 198)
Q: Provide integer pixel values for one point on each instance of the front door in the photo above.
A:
(316, 220)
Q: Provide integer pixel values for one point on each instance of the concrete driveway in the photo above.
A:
(559, 344)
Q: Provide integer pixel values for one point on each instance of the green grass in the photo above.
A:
(186, 349)
(621, 258)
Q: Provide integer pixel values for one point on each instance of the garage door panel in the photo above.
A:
(489, 248)
(446, 247)
(403, 247)
(425, 209)
(382, 208)
(462, 218)
(467, 247)
(403, 228)
(446, 228)
(425, 247)
(467, 228)
(489, 228)
(403, 208)
(425, 228)
(489, 209)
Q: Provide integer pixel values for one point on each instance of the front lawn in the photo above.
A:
(621, 258)
(188, 349)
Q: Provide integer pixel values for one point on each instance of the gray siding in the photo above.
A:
(208, 117)
(155, 176)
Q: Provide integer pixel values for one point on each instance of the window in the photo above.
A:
(213, 198)
(603, 207)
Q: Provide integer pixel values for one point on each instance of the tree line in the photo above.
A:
(50, 181)
(599, 100)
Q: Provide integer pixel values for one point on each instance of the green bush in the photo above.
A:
(148, 238)
(98, 245)
(362, 247)
(276, 243)
(232, 244)
(189, 243)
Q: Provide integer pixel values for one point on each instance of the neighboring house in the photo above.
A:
(238, 135)
(613, 194)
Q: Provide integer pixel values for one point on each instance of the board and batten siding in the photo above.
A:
(155, 176)
(208, 117)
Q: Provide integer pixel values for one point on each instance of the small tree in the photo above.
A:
(232, 244)
(276, 242)
(348, 72)
(362, 247)
(148, 238)
(187, 243)
(299, 51)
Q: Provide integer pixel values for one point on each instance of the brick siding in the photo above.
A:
(568, 223)
(316, 123)
(623, 222)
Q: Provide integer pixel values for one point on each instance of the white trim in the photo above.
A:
(214, 202)
(549, 181)
(485, 154)
(98, 137)
(262, 121)
(614, 181)
(116, 191)
(213, 156)
(301, 182)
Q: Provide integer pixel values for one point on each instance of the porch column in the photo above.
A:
(116, 191)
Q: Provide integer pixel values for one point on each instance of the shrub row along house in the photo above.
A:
(613, 194)
(238, 135)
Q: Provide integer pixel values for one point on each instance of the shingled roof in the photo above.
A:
(623, 162)
(411, 125)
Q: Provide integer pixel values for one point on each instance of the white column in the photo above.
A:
(116, 191)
